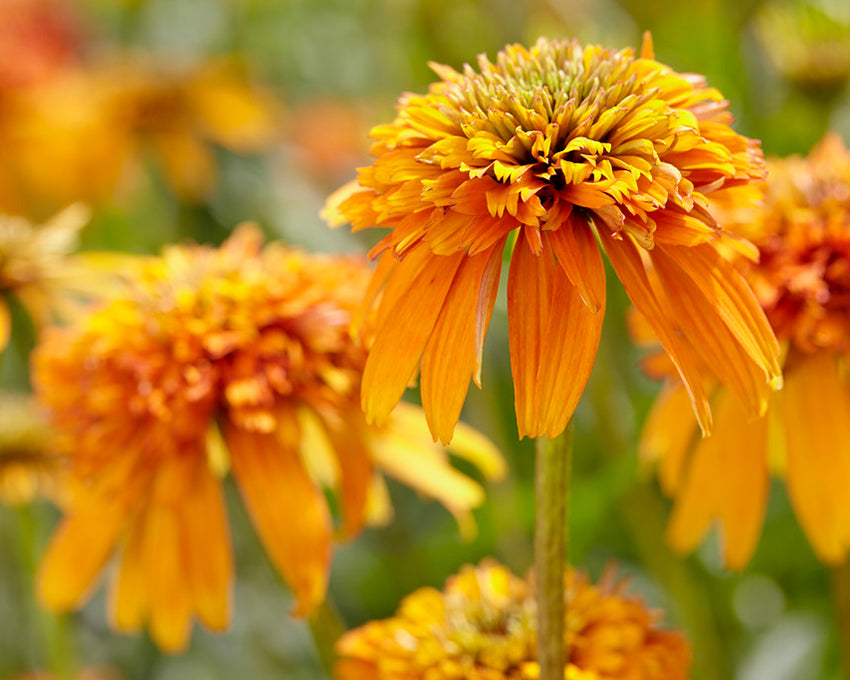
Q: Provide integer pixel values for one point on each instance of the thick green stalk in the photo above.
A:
(554, 458)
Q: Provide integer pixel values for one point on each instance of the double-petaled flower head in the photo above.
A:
(547, 154)
(482, 627)
(802, 280)
(238, 358)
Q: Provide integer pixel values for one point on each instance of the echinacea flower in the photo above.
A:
(482, 627)
(214, 360)
(802, 280)
(548, 154)
(38, 269)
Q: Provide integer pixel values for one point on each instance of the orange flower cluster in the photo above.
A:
(547, 153)
(802, 280)
(238, 358)
(84, 133)
(481, 627)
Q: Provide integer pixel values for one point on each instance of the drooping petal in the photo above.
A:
(630, 269)
(209, 555)
(734, 301)
(5, 324)
(570, 343)
(78, 552)
(418, 285)
(349, 442)
(166, 578)
(448, 361)
(697, 316)
(528, 290)
(129, 599)
(486, 301)
(727, 481)
(815, 405)
(579, 257)
(289, 513)
(667, 435)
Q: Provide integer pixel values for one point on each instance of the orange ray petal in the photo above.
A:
(727, 481)
(698, 318)
(166, 579)
(668, 434)
(448, 361)
(5, 324)
(129, 600)
(630, 269)
(418, 289)
(288, 511)
(78, 551)
(735, 302)
(571, 340)
(349, 442)
(579, 257)
(209, 555)
(486, 301)
(815, 405)
(528, 288)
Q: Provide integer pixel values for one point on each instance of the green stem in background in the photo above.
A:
(327, 627)
(55, 629)
(840, 582)
(554, 458)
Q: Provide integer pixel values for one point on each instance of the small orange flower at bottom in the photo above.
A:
(802, 281)
(238, 358)
(482, 627)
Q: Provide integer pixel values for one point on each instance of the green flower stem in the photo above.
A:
(840, 578)
(326, 626)
(554, 458)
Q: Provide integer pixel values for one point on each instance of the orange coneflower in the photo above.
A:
(802, 280)
(238, 358)
(482, 627)
(549, 152)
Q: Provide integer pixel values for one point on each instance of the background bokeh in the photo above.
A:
(310, 78)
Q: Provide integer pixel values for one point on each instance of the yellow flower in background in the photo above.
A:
(88, 674)
(29, 465)
(482, 627)
(548, 154)
(214, 360)
(802, 281)
(85, 133)
(38, 270)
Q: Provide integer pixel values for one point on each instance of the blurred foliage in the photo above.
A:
(333, 68)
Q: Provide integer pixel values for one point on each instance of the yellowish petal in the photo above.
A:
(289, 513)
(815, 406)
(727, 481)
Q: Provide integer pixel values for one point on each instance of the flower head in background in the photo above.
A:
(29, 465)
(38, 270)
(482, 627)
(214, 360)
(545, 155)
(802, 280)
(86, 134)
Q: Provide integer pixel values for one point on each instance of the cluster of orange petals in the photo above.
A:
(547, 154)
(84, 133)
(482, 627)
(802, 280)
(214, 360)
